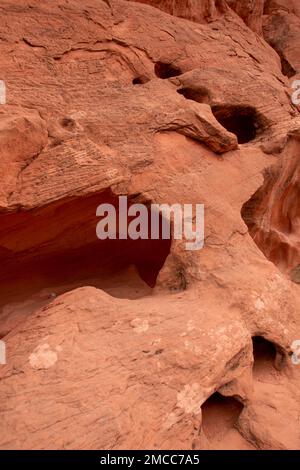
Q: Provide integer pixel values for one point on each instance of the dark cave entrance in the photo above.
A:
(220, 414)
(164, 70)
(239, 120)
(267, 357)
(56, 248)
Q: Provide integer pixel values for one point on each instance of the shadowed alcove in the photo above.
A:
(56, 247)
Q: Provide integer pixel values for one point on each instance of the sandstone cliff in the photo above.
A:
(143, 344)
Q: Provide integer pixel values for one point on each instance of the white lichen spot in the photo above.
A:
(43, 357)
(170, 420)
(259, 304)
(190, 325)
(140, 325)
(189, 328)
(2, 92)
(189, 399)
(78, 115)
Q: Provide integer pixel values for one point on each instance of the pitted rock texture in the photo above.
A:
(148, 345)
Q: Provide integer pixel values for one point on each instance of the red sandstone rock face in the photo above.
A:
(194, 10)
(290, 6)
(145, 344)
(251, 11)
(282, 31)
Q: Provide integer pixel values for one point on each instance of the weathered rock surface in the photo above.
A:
(200, 11)
(282, 31)
(251, 12)
(147, 345)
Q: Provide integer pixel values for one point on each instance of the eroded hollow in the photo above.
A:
(50, 250)
(164, 70)
(272, 214)
(219, 415)
(239, 120)
(267, 356)
(200, 95)
(140, 80)
(287, 68)
(68, 123)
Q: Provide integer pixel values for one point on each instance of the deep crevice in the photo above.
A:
(286, 67)
(164, 70)
(239, 120)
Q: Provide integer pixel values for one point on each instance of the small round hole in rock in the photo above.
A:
(163, 70)
(241, 121)
(68, 123)
(141, 80)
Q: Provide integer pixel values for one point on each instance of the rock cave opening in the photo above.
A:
(164, 70)
(50, 250)
(239, 120)
(140, 80)
(267, 357)
(200, 95)
(220, 415)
